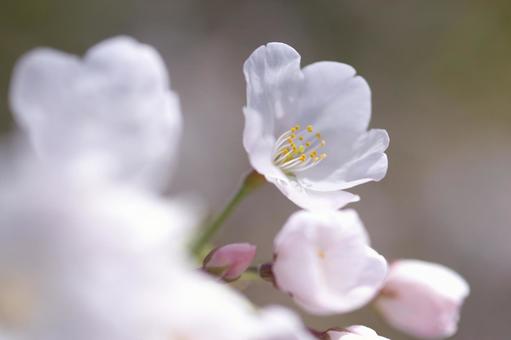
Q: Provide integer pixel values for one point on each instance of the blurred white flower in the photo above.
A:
(324, 262)
(280, 323)
(81, 259)
(422, 299)
(306, 129)
(204, 309)
(114, 104)
(356, 332)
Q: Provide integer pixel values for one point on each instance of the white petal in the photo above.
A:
(349, 162)
(324, 262)
(422, 299)
(356, 332)
(115, 102)
(195, 305)
(273, 77)
(259, 145)
(361, 330)
(314, 200)
(333, 98)
(280, 323)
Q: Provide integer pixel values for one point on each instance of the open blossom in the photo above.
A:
(114, 104)
(422, 299)
(306, 129)
(356, 332)
(324, 262)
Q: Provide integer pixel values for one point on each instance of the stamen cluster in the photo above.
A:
(297, 149)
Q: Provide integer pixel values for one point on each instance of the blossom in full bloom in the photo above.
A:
(422, 299)
(230, 261)
(356, 332)
(114, 104)
(306, 129)
(324, 262)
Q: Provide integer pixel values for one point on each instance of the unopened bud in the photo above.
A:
(230, 261)
(422, 299)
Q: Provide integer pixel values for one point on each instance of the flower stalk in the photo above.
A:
(252, 181)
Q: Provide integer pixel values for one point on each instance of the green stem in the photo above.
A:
(251, 181)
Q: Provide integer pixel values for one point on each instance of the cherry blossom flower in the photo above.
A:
(306, 129)
(356, 332)
(422, 299)
(324, 262)
(113, 104)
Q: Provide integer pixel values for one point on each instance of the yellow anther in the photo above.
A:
(297, 151)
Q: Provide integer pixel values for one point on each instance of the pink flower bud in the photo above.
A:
(356, 332)
(422, 299)
(230, 261)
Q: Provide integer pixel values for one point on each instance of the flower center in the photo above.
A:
(297, 149)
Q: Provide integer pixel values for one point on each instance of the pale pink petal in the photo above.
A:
(324, 262)
(422, 299)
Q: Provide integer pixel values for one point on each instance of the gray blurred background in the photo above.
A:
(440, 73)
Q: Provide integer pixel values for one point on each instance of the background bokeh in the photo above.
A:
(440, 72)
